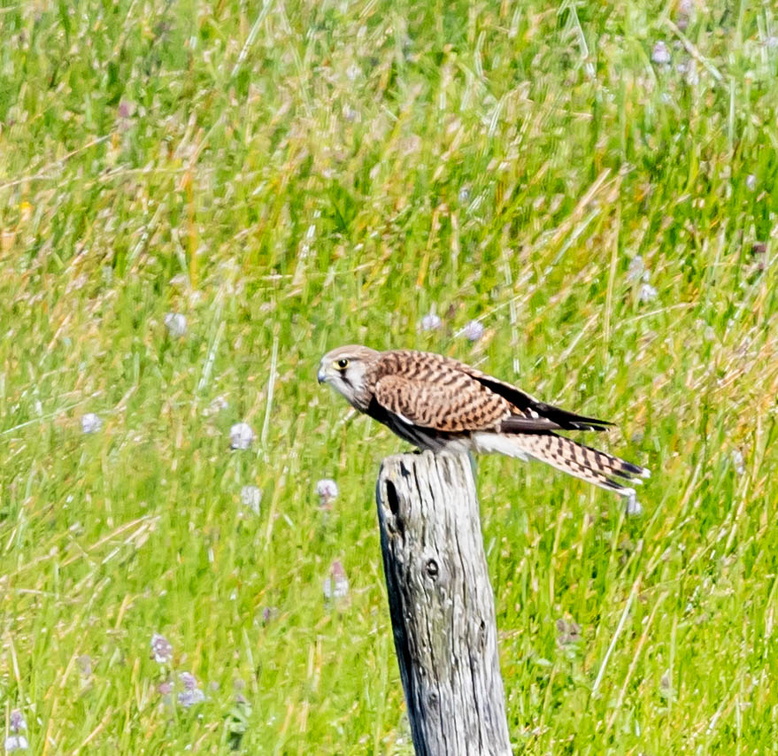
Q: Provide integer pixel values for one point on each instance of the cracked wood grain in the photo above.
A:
(441, 605)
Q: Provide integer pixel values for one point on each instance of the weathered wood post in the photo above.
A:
(441, 605)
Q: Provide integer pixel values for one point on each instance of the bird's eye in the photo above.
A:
(342, 364)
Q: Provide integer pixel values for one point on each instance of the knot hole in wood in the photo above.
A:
(394, 524)
(392, 499)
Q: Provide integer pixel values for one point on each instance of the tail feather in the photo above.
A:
(592, 465)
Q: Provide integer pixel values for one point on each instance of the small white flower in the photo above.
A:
(464, 195)
(251, 497)
(686, 6)
(660, 54)
(336, 585)
(637, 270)
(91, 423)
(241, 436)
(431, 322)
(219, 404)
(16, 743)
(175, 323)
(634, 508)
(685, 10)
(327, 490)
(351, 115)
(737, 462)
(692, 74)
(473, 331)
(647, 293)
(84, 663)
(750, 182)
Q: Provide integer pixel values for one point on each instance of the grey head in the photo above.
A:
(346, 370)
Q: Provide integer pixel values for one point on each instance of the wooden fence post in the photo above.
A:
(441, 605)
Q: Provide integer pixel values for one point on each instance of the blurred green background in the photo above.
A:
(594, 184)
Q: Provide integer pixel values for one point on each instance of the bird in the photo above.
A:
(440, 404)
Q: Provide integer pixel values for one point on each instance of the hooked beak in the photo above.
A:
(320, 376)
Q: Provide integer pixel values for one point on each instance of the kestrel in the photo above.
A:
(440, 404)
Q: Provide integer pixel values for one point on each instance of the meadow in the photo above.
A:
(198, 199)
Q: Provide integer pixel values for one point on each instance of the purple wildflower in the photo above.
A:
(473, 331)
(17, 721)
(327, 491)
(685, 11)
(431, 322)
(126, 108)
(269, 613)
(161, 649)
(661, 53)
(191, 694)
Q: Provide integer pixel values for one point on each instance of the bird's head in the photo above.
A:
(345, 369)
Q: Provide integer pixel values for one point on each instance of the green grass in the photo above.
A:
(294, 176)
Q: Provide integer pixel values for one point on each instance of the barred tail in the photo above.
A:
(592, 465)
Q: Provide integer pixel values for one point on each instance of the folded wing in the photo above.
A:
(532, 409)
(461, 406)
